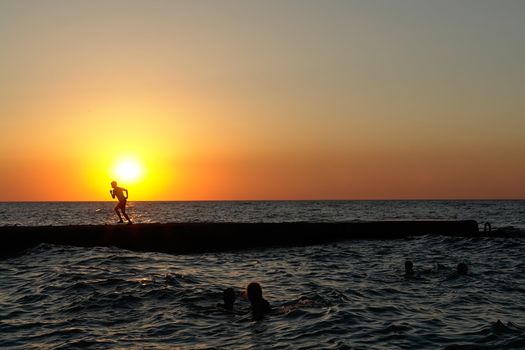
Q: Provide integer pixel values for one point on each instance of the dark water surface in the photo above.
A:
(349, 295)
(344, 295)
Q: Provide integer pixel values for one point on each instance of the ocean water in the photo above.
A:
(498, 213)
(346, 295)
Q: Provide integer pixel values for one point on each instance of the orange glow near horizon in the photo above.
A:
(229, 101)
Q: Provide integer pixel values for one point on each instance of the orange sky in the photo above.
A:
(262, 100)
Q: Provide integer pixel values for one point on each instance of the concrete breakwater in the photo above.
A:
(213, 237)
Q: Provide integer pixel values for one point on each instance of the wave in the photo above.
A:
(510, 231)
(494, 336)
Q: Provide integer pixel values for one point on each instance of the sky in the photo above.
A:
(254, 100)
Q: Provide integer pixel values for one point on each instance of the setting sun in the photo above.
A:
(129, 170)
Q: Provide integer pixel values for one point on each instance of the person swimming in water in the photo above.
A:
(409, 268)
(122, 199)
(260, 306)
(228, 295)
(462, 269)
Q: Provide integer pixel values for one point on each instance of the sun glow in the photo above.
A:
(128, 170)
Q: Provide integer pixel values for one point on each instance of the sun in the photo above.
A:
(128, 170)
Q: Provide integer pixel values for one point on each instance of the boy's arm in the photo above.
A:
(112, 194)
(125, 190)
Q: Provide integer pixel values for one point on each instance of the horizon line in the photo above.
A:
(276, 200)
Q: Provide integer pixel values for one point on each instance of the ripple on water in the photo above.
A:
(347, 295)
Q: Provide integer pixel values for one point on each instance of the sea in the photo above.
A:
(344, 295)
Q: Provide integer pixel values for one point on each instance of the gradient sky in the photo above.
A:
(263, 99)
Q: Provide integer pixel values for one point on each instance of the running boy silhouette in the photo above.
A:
(119, 193)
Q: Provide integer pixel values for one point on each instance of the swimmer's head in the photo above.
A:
(462, 269)
(113, 184)
(409, 267)
(254, 292)
(229, 297)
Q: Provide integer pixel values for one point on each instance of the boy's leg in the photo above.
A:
(118, 213)
(123, 208)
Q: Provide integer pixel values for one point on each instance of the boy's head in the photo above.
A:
(229, 297)
(409, 266)
(113, 184)
(462, 268)
(254, 292)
